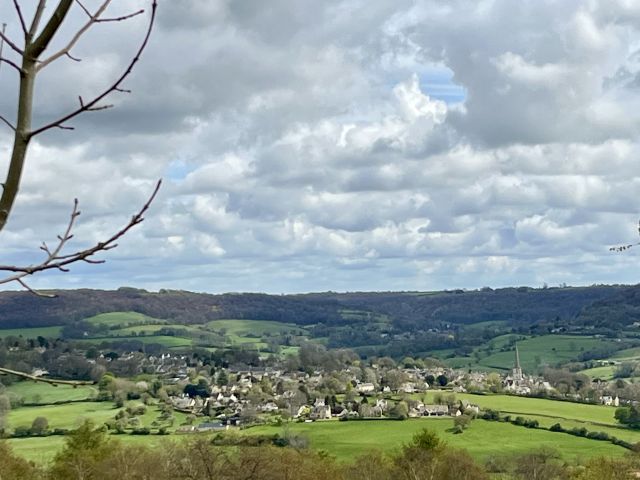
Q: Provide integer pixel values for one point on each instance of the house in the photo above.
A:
(211, 426)
(366, 387)
(436, 410)
(610, 401)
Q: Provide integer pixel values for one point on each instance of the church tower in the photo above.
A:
(517, 370)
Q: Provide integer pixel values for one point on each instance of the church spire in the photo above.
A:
(517, 370)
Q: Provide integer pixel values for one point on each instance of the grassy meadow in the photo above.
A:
(535, 352)
(346, 440)
(33, 392)
(33, 332)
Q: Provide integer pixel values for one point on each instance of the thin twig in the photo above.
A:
(622, 248)
(10, 62)
(114, 87)
(39, 294)
(86, 10)
(19, 12)
(120, 19)
(76, 37)
(8, 41)
(11, 126)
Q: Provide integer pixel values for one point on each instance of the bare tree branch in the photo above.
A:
(8, 41)
(56, 261)
(10, 63)
(114, 87)
(36, 20)
(9, 124)
(19, 12)
(86, 10)
(55, 383)
(622, 248)
(92, 19)
(121, 18)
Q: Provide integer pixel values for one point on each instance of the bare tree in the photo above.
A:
(32, 56)
(28, 57)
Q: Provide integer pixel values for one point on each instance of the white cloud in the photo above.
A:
(425, 145)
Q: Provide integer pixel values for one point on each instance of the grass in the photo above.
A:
(605, 372)
(165, 340)
(41, 450)
(535, 352)
(63, 416)
(346, 440)
(626, 354)
(150, 329)
(540, 406)
(32, 392)
(34, 332)
(124, 319)
(255, 328)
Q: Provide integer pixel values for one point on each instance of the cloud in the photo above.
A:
(344, 145)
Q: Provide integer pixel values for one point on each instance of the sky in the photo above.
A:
(341, 145)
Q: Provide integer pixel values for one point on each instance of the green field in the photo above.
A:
(123, 319)
(254, 328)
(535, 352)
(43, 449)
(69, 415)
(32, 392)
(151, 329)
(539, 406)
(605, 372)
(346, 440)
(627, 354)
(165, 340)
(46, 332)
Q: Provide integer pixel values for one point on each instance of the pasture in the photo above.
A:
(68, 415)
(165, 340)
(33, 392)
(33, 332)
(123, 319)
(509, 404)
(535, 352)
(347, 440)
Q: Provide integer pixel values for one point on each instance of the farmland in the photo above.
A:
(535, 352)
(43, 393)
(34, 332)
(345, 440)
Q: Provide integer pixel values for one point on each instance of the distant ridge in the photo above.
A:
(593, 305)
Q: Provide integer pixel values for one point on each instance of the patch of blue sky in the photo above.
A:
(178, 170)
(447, 92)
(437, 82)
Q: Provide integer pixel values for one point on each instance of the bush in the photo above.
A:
(491, 415)
(579, 432)
(140, 431)
(556, 427)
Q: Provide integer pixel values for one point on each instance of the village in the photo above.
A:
(216, 399)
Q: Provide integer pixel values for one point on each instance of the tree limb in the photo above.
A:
(12, 64)
(36, 20)
(57, 261)
(55, 383)
(8, 41)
